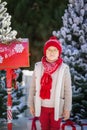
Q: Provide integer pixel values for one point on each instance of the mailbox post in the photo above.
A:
(13, 56)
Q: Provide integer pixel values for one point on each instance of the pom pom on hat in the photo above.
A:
(53, 41)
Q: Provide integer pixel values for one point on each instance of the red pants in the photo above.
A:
(47, 119)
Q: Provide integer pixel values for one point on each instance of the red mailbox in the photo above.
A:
(14, 55)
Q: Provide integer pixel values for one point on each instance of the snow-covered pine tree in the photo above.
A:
(73, 36)
(17, 96)
(6, 36)
(6, 32)
(3, 95)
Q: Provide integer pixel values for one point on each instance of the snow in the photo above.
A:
(19, 48)
(24, 123)
(27, 72)
(6, 32)
(84, 48)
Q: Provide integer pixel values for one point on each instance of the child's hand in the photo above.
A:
(66, 114)
(32, 111)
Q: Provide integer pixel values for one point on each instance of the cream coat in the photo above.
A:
(63, 92)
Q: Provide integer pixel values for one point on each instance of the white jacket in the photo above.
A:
(63, 92)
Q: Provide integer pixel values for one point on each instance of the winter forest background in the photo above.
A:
(37, 20)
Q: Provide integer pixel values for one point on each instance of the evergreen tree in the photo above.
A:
(17, 96)
(3, 95)
(6, 36)
(6, 32)
(73, 36)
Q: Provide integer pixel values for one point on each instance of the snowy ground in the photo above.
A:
(21, 124)
(24, 123)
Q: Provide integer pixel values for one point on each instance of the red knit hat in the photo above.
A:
(53, 41)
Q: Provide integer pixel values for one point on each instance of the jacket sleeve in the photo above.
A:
(32, 91)
(67, 90)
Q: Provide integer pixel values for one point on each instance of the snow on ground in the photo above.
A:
(24, 123)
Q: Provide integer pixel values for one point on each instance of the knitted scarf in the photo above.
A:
(46, 79)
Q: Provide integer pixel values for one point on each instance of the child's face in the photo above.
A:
(52, 54)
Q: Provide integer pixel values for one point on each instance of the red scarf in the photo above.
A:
(46, 79)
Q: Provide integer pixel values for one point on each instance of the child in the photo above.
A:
(50, 94)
